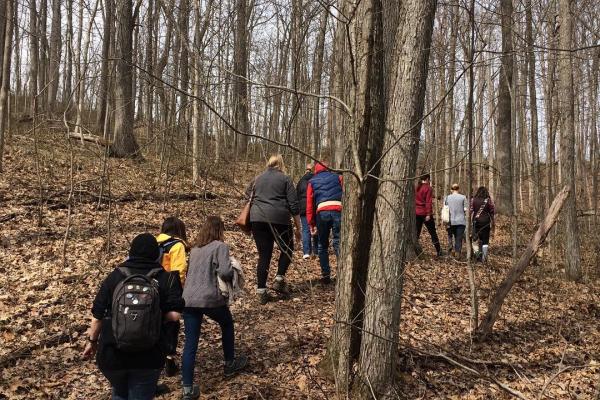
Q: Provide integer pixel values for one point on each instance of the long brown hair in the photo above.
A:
(212, 229)
(173, 226)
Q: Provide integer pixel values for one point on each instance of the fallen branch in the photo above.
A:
(90, 138)
(51, 341)
(8, 217)
(515, 273)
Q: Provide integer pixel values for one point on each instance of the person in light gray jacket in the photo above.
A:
(458, 205)
(209, 260)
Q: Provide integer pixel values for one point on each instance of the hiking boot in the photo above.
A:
(326, 280)
(161, 389)
(264, 297)
(281, 286)
(306, 256)
(191, 392)
(233, 367)
(171, 368)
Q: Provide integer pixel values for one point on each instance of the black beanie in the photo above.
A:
(144, 246)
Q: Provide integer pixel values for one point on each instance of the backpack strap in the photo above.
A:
(481, 208)
(168, 244)
(125, 271)
(154, 272)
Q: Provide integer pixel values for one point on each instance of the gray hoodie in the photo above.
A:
(201, 285)
(458, 205)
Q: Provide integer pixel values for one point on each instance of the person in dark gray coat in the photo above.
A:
(209, 258)
(274, 205)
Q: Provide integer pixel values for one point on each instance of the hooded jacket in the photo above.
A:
(174, 258)
(324, 193)
(301, 189)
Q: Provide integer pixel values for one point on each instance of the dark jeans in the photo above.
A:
(328, 221)
(458, 233)
(133, 384)
(481, 231)
(430, 225)
(310, 244)
(265, 236)
(192, 318)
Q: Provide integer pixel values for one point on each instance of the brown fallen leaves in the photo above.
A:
(547, 339)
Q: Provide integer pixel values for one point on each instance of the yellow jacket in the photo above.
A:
(175, 259)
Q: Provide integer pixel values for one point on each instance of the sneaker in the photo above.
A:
(306, 256)
(326, 280)
(171, 368)
(191, 392)
(264, 297)
(232, 367)
(280, 286)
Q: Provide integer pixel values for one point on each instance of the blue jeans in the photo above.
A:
(192, 318)
(458, 233)
(133, 384)
(310, 244)
(328, 221)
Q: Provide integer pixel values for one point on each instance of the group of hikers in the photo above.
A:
(136, 312)
(454, 216)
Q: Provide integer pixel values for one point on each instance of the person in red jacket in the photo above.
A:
(324, 213)
(424, 211)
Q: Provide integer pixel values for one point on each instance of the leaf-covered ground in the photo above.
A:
(546, 343)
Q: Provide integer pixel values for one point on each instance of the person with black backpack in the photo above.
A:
(482, 213)
(128, 315)
(172, 242)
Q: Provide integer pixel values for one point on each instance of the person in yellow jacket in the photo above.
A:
(172, 243)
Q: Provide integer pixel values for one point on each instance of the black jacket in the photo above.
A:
(275, 199)
(108, 356)
(301, 191)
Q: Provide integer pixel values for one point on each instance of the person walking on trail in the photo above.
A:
(424, 211)
(129, 310)
(482, 213)
(209, 261)
(324, 213)
(172, 242)
(458, 206)
(274, 204)
(310, 243)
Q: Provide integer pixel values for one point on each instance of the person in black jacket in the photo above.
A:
(309, 247)
(133, 375)
(274, 206)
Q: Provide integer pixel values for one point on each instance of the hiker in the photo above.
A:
(172, 243)
(424, 211)
(324, 213)
(274, 204)
(482, 213)
(458, 205)
(129, 350)
(209, 260)
(310, 243)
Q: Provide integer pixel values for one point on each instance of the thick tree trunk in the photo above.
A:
(394, 213)
(34, 54)
(125, 144)
(535, 152)
(240, 69)
(317, 81)
(504, 156)
(567, 140)
(68, 66)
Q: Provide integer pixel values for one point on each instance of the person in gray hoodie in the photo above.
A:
(458, 205)
(209, 259)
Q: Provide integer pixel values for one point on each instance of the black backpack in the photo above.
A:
(136, 314)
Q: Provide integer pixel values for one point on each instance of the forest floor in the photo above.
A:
(545, 345)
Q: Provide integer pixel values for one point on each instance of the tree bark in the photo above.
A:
(394, 213)
(55, 52)
(504, 157)
(5, 83)
(125, 144)
(535, 152)
(34, 54)
(567, 140)
(104, 78)
(240, 69)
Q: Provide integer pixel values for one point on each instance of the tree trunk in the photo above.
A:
(394, 211)
(567, 140)
(68, 78)
(55, 52)
(104, 78)
(240, 69)
(125, 144)
(535, 152)
(504, 158)
(34, 54)
(5, 83)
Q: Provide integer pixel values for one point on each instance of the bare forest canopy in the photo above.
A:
(149, 103)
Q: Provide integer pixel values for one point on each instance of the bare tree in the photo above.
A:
(5, 82)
